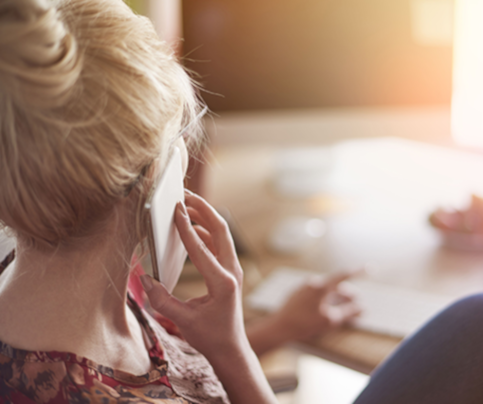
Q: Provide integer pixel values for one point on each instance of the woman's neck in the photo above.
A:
(74, 301)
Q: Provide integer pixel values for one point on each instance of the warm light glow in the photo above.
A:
(467, 102)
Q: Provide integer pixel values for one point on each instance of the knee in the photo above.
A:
(470, 307)
(462, 317)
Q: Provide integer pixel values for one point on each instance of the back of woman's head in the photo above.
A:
(89, 96)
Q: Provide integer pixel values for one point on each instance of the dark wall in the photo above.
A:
(260, 54)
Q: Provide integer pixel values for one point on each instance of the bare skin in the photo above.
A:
(91, 284)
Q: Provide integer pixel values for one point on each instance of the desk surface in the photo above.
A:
(378, 196)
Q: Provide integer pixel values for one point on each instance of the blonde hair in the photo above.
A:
(89, 96)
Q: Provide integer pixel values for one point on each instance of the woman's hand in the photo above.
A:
(314, 309)
(213, 324)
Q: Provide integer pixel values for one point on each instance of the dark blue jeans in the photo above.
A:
(441, 364)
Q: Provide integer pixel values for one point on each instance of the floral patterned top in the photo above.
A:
(181, 375)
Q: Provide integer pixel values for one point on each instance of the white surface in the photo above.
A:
(301, 172)
(294, 234)
(391, 186)
(323, 382)
(386, 309)
(170, 251)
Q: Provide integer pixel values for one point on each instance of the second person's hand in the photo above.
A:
(315, 308)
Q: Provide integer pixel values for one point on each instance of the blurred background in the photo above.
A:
(392, 59)
(343, 134)
(320, 53)
(317, 53)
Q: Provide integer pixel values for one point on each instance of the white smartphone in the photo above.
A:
(7, 245)
(168, 253)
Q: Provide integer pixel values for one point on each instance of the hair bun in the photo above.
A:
(39, 62)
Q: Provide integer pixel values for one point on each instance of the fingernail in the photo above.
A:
(147, 282)
(188, 192)
(182, 207)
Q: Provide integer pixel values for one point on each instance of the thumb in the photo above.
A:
(160, 299)
(342, 313)
(324, 286)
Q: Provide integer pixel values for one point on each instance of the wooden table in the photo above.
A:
(376, 209)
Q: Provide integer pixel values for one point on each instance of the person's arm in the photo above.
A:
(213, 324)
(314, 309)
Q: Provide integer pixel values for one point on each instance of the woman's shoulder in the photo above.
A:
(55, 377)
(180, 374)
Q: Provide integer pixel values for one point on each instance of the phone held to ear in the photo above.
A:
(168, 253)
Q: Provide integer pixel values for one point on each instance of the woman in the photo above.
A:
(91, 105)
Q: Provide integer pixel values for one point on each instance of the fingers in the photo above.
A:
(338, 304)
(341, 314)
(205, 237)
(324, 286)
(205, 215)
(333, 281)
(199, 253)
(160, 299)
(339, 296)
(196, 217)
